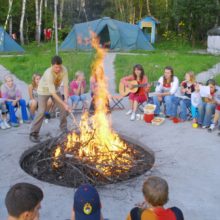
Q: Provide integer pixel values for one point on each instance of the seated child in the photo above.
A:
(12, 96)
(184, 100)
(78, 89)
(142, 94)
(3, 114)
(216, 119)
(23, 202)
(155, 190)
(206, 108)
(86, 204)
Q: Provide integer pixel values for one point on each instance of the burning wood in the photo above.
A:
(95, 153)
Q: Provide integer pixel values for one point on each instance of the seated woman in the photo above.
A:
(77, 90)
(142, 94)
(165, 91)
(184, 100)
(3, 114)
(206, 108)
(12, 96)
(33, 102)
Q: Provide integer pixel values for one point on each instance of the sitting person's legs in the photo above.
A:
(169, 105)
(209, 111)
(11, 109)
(184, 104)
(23, 107)
(32, 107)
(84, 101)
(75, 99)
(157, 103)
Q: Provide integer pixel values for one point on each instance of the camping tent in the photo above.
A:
(214, 40)
(7, 44)
(114, 34)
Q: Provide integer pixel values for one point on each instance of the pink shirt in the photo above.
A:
(74, 86)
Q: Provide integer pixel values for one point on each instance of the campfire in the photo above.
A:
(93, 152)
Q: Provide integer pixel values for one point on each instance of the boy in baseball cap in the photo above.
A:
(87, 205)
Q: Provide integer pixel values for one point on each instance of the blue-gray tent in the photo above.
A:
(113, 34)
(7, 44)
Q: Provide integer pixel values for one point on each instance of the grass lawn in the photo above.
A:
(217, 78)
(155, 61)
(38, 58)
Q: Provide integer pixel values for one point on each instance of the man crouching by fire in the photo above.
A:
(48, 87)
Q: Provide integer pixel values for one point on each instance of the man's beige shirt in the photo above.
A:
(50, 81)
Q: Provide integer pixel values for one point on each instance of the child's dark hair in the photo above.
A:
(139, 67)
(22, 197)
(56, 60)
(170, 68)
(211, 81)
(155, 190)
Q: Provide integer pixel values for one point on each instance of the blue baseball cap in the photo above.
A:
(87, 204)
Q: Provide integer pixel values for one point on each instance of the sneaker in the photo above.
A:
(14, 124)
(6, 124)
(211, 128)
(129, 112)
(133, 116)
(204, 126)
(21, 121)
(34, 138)
(2, 125)
(27, 121)
(46, 121)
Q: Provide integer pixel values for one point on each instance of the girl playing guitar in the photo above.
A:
(142, 94)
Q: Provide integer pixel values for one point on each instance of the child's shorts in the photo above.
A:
(3, 107)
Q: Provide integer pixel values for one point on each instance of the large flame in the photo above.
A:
(99, 144)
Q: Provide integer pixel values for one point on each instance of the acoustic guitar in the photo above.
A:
(125, 91)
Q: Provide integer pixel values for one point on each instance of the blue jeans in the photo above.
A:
(184, 105)
(168, 100)
(205, 110)
(11, 110)
(77, 98)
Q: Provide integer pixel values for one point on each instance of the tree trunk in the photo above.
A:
(10, 25)
(217, 16)
(61, 13)
(148, 8)
(9, 12)
(38, 6)
(22, 21)
(140, 9)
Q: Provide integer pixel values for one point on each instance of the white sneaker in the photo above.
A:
(211, 127)
(2, 126)
(21, 121)
(6, 124)
(129, 112)
(133, 116)
(46, 121)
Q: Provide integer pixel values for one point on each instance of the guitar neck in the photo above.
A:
(141, 85)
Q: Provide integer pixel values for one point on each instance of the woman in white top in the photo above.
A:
(165, 90)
